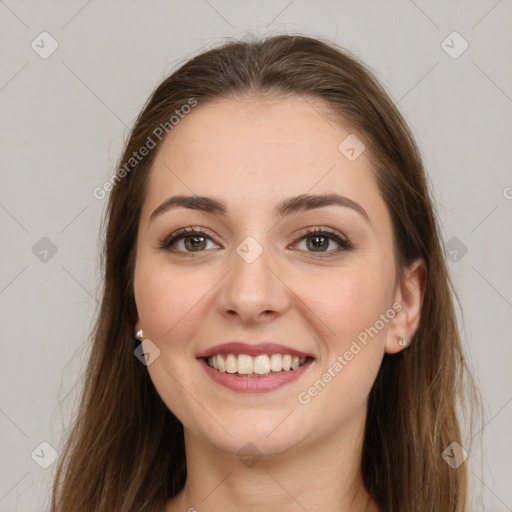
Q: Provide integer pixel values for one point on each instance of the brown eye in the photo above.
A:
(194, 242)
(319, 241)
(186, 240)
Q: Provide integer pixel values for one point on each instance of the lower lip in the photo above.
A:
(254, 384)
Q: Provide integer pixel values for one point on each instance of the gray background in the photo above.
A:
(63, 122)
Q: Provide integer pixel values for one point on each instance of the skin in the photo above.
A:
(253, 153)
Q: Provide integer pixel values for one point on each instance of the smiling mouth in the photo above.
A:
(244, 365)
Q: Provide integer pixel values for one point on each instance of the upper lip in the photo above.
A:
(251, 349)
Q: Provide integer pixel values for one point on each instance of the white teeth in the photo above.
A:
(276, 362)
(231, 364)
(261, 364)
(244, 364)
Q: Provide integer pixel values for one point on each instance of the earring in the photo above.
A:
(139, 335)
(401, 341)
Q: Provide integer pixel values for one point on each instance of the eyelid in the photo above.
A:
(167, 240)
(331, 233)
(321, 229)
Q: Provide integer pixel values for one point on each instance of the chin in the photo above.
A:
(253, 432)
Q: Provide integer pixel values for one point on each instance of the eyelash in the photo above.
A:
(345, 245)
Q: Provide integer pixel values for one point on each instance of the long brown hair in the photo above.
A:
(123, 434)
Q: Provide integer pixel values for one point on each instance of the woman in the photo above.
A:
(277, 329)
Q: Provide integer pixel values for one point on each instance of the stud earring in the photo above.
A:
(139, 335)
(401, 341)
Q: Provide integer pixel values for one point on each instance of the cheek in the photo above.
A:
(167, 300)
(353, 310)
(346, 301)
(169, 303)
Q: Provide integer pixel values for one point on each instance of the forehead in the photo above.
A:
(252, 151)
(252, 131)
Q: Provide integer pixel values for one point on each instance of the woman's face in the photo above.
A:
(262, 274)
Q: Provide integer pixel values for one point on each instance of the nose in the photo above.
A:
(253, 290)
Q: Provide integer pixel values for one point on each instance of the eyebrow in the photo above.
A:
(287, 207)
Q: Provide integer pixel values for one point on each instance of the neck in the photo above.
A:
(323, 476)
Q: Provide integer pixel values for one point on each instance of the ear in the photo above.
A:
(138, 325)
(409, 294)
